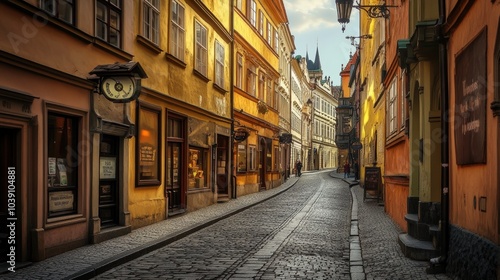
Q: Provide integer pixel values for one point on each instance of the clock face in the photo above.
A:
(120, 88)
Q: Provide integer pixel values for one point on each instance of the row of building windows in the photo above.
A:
(108, 27)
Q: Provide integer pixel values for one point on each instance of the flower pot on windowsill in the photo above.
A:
(262, 107)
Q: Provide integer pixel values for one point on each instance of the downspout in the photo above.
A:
(439, 263)
(231, 98)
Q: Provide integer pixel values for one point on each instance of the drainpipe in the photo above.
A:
(231, 97)
(439, 263)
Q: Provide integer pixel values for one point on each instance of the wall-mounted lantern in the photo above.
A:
(344, 8)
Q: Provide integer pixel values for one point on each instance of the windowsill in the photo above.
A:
(199, 190)
(201, 76)
(220, 89)
(175, 60)
(112, 49)
(148, 183)
(149, 44)
(64, 221)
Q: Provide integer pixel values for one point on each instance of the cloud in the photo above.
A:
(311, 15)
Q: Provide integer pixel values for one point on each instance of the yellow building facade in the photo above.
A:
(372, 93)
(256, 72)
(183, 116)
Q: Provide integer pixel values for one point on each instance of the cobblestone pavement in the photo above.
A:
(381, 253)
(302, 234)
(382, 257)
(95, 258)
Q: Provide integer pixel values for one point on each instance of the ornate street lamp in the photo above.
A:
(344, 8)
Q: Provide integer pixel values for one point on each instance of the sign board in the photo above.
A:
(373, 181)
(470, 102)
(107, 168)
(61, 201)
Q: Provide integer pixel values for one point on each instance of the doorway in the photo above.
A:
(9, 166)
(174, 175)
(222, 166)
(109, 183)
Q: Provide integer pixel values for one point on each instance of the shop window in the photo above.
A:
(269, 156)
(252, 158)
(197, 168)
(276, 158)
(148, 148)
(242, 156)
(63, 159)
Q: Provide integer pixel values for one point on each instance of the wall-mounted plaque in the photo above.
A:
(107, 168)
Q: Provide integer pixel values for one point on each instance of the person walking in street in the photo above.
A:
(347, 169)
(298, 167)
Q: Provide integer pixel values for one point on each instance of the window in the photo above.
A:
(261, 23)
(403, 99)
(151, 20)
(261, 87)
(276, 40)
(269, 156)
(242, 156)
(200, 63)
(239, 70)
(269, 33)
(238, 4)
(177, 32)
(269, 93)
(251, 80)
(219, 64)
(276, 158)
(197, 168)
(63, 161)
(148, 146)
(252, 158)
(252, 12)
(392, 107)
(108, 21)
(61, 9)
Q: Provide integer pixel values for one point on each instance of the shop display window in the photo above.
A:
(148, 148)
(197, 168)
(63, 159)
(252, 160)
(242, 156)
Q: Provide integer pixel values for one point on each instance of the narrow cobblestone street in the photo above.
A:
(301, 234)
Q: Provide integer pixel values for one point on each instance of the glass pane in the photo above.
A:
(114, 20)
(66, 11)
(242, 157)
(148, 145)
(62, 150)
(101, 12)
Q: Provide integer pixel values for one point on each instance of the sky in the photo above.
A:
(314, 24)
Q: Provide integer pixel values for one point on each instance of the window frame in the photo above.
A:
(156, 180)
(56, 9)
(252, 157)
(110, 8)
(392, 107)
(219, 65)
(152, 8)
(177, 30)
(242, 149)
(201, 48)
(79, 208)
(239, 70)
